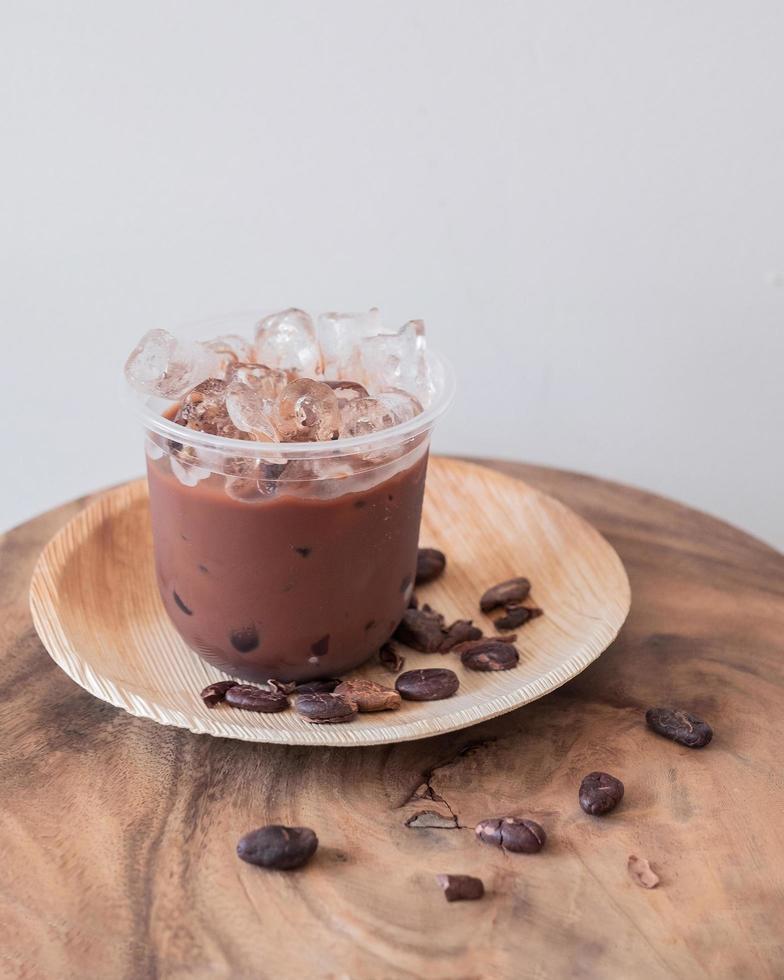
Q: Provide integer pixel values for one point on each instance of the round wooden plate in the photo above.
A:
(96, 608)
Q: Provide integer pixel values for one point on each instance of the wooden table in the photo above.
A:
(118, 835)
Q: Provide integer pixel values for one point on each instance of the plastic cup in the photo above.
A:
(286, 560)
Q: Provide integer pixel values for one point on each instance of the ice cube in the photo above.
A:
(397, 360)
(250, 411)
(403, 405)
(340, 336)
(364, 416)
(298, 471)
(347, 391)
(334, 469)
(204, 409)
(334, 477)
(152, 449)
(189, 474)
(254, 482)
(296, 477)
(267, 381)
(231, 349)
(165, 366)
(307, 411)
(287, 340)
(248, 491)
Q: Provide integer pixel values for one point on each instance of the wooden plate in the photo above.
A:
(96, 608)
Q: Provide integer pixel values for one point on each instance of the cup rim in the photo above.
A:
(154, 421)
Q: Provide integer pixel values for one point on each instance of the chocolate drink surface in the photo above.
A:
(292, 587)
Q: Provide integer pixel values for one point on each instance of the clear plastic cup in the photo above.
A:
(286, 560)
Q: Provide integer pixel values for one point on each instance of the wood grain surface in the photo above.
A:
(118, 834)
(96, 608)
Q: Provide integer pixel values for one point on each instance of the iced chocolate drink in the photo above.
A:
(286, 469)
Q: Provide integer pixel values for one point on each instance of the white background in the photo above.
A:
(585, 201)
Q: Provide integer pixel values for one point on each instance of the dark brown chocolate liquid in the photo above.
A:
(285, 587)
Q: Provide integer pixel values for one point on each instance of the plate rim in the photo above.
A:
(43, 609)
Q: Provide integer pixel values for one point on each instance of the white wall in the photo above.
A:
(585, 201)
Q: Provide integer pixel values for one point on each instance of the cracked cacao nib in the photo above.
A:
(390, 659)
(368, 695)
(251, 698)
(430, 564)
(324, 685)
(680, 726)
(281, 848)
(461, 888)
(512, 591)
(325, 709)
(516, 616)
(512, 834)
(461, 648)
(284, 687)
(490, 655)
(600, 792)
(460, 631)
(421, 629)
(215, 693)
(427, 684)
